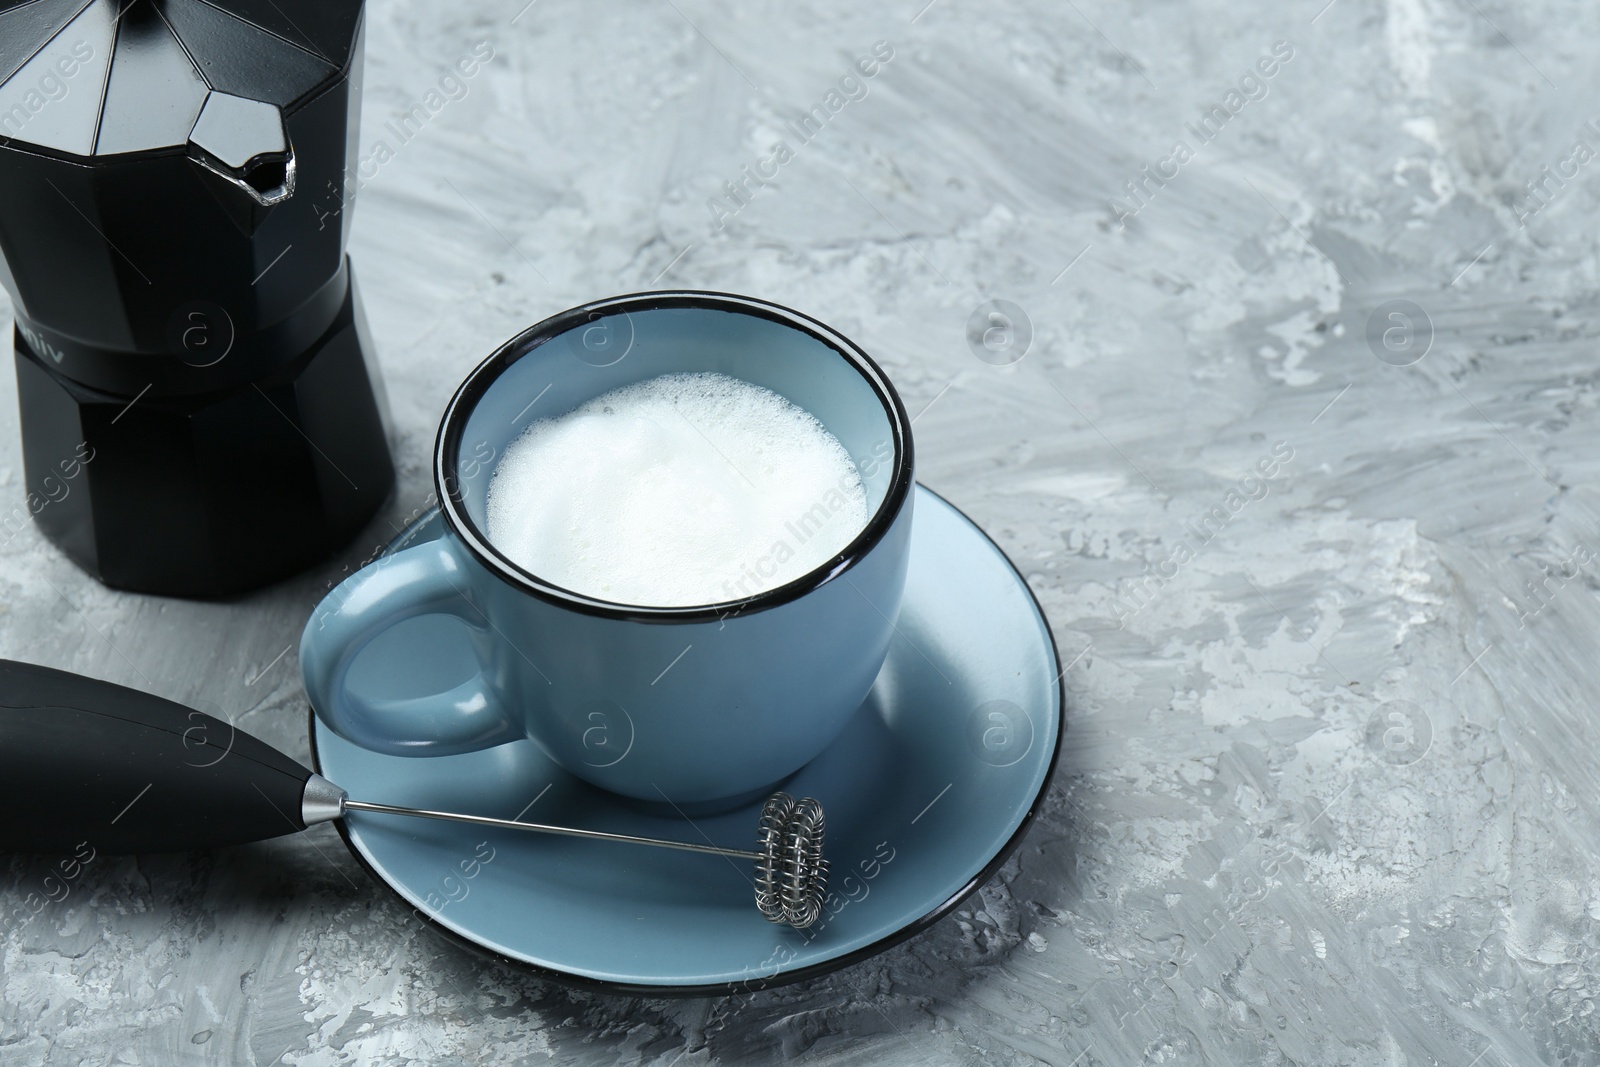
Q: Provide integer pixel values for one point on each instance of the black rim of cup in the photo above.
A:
(448, 446)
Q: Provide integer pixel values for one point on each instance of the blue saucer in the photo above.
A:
(927, 792)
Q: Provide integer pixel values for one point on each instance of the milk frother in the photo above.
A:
(87, 762)
(199, 412)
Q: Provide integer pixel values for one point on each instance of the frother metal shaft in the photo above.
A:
(791, 876)
(545, 828)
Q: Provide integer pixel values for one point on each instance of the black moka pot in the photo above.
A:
(200, 414)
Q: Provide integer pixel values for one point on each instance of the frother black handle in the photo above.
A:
(85, 763)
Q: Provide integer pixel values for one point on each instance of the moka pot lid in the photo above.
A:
(90, 79)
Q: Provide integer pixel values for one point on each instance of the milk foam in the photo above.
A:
(679, 490)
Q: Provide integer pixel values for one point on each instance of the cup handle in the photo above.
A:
(426, 579)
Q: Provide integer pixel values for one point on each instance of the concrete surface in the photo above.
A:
(1328, 796)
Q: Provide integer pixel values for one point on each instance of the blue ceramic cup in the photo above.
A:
(687, 704)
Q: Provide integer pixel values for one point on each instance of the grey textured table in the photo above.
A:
(1328, 794)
